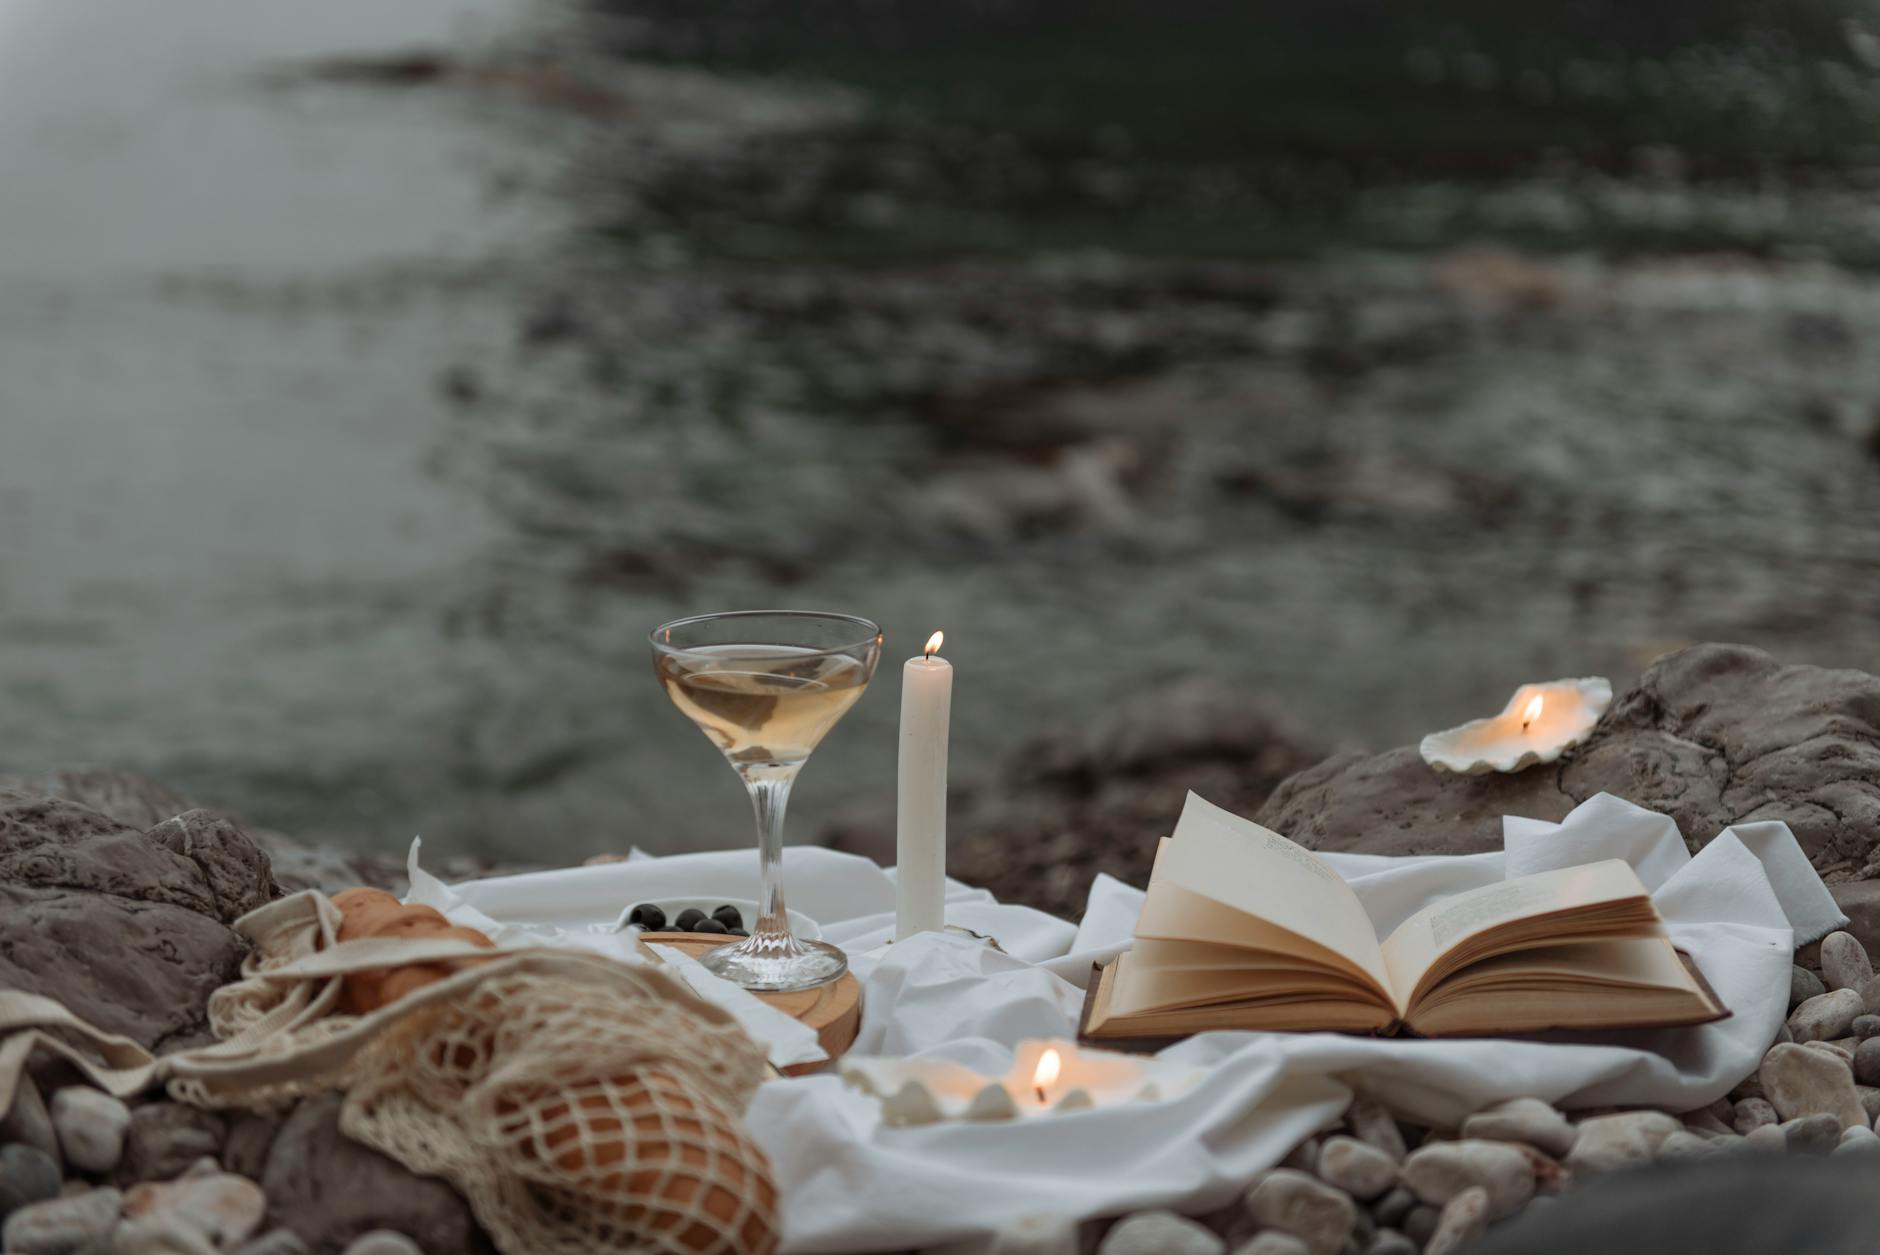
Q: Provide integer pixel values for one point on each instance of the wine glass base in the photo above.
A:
(776, 969)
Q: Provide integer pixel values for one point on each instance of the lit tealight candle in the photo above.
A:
(1054, 1077)
(1045, 1075)
(1539, 724)
(920, 830)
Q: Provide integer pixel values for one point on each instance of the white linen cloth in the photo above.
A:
(851, 1184)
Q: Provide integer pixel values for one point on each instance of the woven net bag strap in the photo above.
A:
(258, 1061)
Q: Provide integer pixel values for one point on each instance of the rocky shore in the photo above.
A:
(116, 898)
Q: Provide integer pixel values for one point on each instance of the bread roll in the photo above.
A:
(375, 913)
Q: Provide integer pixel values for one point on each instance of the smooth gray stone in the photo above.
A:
(27, 1175)
(1305, 1207)
(330, 1189)
(165, 1139)
(28, 1120)
(1844, 962)
(1811, 1135)
(1527, 1120)
(62, 1226)
(1145, 1233)
(91, 1126)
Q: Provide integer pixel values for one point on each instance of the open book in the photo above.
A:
(1244, 929)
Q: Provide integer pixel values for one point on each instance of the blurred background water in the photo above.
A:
(372, 378)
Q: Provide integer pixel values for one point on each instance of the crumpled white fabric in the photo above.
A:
(851, 1184)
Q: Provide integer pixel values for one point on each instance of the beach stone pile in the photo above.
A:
(121, 912)
(1375, 1185)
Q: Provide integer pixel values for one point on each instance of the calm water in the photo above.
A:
(352, 435)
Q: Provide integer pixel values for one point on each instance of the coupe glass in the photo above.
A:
(765, 686)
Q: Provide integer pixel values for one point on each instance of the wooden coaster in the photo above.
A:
(833, 1010)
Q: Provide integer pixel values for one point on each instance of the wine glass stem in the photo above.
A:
(770, 796)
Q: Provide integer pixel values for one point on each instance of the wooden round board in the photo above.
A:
(834, 1010)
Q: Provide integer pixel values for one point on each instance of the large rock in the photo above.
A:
(128, 929)
(1711, 735)
(238, 874)
(142, 969)
(330, 1189)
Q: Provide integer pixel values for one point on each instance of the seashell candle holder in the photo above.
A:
(1046, 1078)
(1539, 724)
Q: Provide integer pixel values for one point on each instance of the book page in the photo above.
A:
(1254, 871)
(1424, 938)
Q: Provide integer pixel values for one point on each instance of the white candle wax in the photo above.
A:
(921, 800)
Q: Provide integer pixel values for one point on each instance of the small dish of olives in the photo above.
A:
(729, 918)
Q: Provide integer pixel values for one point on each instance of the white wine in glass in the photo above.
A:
(765, 686)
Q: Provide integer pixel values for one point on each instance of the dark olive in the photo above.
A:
(647, 916)
(709, 926)
(688, 919)
(739, 932)
(730, 916)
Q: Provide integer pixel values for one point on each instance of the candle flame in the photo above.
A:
(933, 643)
(1049, 1065)
(1532, 713)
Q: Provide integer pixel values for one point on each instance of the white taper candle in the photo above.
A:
(921, 800)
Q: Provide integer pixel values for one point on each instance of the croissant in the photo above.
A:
(376, 913)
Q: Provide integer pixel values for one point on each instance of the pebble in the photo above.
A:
(1754, 1113)
(1803, 985)
(1867, 1061)
(1438, 1173)
(28, 1120)
(1844, 962)
(1273, 1242)
(1420, 1225)
(160, 1235)
(1295, 1203)
(27, 1175)
(1811, 1135)
(1708, 1123)
(165, 1138)
(275, 1242)
(1803, 1082)
(1622, 1139)
(91, 1125)
(222, 1207)
(1464, 1219)
(1768, 1137)
(1865, 1025)
(59, 1226)
(1860, 1134)
(1869, 1100)
(1685, 1144)
(1844, 1053)
(1304, 1157)
(1145, 1233)
(1526, 1120)
(1373, 1125)
(1825, 1016)
(1870, 995)
(1394, 1206)
(1390, 1242)
(1359, 1169)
